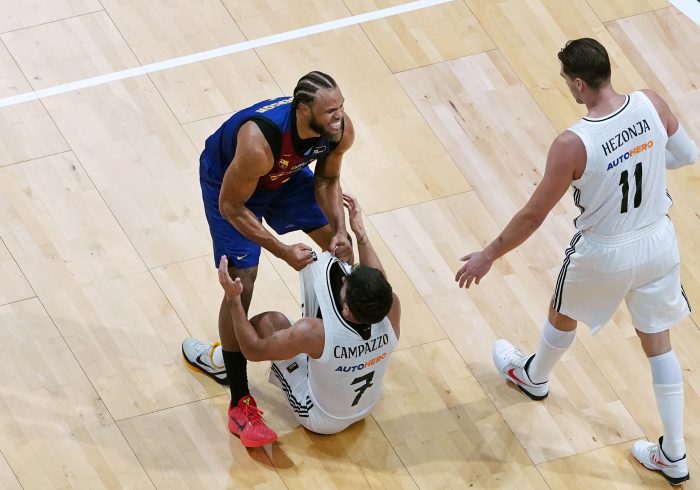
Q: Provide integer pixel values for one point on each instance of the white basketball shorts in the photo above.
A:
(641, 267)
(292, 377)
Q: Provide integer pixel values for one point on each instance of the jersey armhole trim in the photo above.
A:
(272, 135)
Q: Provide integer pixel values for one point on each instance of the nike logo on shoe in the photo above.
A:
(511, 374)
(656, 461)
(201, 362)
(240, 426)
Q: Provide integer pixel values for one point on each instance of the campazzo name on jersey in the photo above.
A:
(340, 352)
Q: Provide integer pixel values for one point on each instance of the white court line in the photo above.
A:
(217, 52)
(691, 8)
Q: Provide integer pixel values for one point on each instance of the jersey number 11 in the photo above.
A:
(624, 182)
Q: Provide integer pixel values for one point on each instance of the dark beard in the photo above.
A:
(332, 137)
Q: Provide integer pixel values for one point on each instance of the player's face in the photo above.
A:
(326, 116)
(573, 86)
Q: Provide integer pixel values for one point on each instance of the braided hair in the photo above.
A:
(308, 85)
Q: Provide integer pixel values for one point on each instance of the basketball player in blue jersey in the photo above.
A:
(330, 364)
(255, 167)
(615, 161)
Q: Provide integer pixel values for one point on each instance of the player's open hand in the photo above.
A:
(476, 265)
(354, 213)
(232, 288)
(299, 256)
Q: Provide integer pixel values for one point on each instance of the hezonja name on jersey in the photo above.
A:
(267, 107)
(360, 367)
(640, 127)
(340, 352)
(631, 152)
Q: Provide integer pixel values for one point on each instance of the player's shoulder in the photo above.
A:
(658, 101)
(568, 137)
(310, 326)
(567, 153)
(651, 94)
(569, 142)
(252, 141)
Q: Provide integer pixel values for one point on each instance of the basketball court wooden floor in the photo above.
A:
(106, 262)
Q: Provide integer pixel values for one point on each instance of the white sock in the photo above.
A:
(218, 356)
(668, 389)
(553, 344)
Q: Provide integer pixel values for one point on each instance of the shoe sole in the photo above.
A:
(531, 396)
(194, 367)
(673, 481)
(248, 442)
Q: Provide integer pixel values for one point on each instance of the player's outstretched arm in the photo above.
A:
(330, 196)
(305, 336)
(252, 160)
(368, 256)
(565, 162)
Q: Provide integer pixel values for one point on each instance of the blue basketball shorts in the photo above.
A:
(291, 207)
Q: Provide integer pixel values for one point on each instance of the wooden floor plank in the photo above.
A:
(424, 37)
(104, 301)
(607, 11)
(190, 447)
(27, 130)
(14, 286)
(530, 34)
(19, 14)
(8, 479)
(134, 151)
(198, 90)
(56, 430)
(444, 427)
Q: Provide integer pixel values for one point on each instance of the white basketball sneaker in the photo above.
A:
(199, 357)
(512, 364)
(652, 456)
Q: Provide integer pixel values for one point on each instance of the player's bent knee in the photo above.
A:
(655, 344)
(269, 322)
(560, 321)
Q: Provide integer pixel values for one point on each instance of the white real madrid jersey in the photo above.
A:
(623, 187)
(346, 381)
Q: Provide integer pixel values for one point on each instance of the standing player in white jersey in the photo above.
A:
(615, 160)
(331, 363)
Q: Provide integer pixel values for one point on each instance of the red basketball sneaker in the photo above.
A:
(245, 421)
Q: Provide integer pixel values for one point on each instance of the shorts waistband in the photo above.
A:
(630, 236)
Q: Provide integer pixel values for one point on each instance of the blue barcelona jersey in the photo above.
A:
(220, 147)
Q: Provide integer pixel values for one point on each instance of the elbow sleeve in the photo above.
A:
(681, 150)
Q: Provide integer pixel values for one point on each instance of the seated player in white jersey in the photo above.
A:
(615, 161)
(330, 363)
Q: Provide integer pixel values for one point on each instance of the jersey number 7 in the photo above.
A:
(367, 378)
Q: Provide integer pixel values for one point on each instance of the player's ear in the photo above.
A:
(304, 109)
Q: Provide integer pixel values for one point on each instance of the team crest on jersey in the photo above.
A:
(284, 163)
